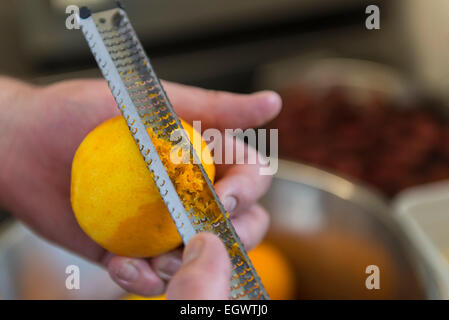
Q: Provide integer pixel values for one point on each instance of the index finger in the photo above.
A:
(223, 110)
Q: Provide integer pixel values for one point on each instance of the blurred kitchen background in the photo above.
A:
(222, 43)
(365, 116)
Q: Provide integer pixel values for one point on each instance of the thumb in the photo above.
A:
(205, 273)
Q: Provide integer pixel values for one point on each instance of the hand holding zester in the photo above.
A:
(41, 129)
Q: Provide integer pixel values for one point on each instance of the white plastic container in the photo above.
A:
(424, 214)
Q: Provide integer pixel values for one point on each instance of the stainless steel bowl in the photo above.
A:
(32, 268)
(329, 228)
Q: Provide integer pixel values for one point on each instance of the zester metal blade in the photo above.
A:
(144, 104)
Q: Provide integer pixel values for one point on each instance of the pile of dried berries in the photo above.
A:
(379, 142)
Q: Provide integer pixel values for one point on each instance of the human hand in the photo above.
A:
(204, 274)
(41, 128)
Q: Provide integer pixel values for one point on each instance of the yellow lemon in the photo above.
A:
(136, 297)
(274, 271)
(114, 197)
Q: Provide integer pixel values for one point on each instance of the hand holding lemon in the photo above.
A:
(41, 132)
(114, 197)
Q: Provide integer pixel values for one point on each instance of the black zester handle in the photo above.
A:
(144, 104)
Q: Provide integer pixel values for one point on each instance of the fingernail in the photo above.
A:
(274, 98)
(230, 203)
(167, 267)
(127, 272)
(193, 250)
(271, 96)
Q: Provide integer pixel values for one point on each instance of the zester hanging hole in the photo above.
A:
(117, 19)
